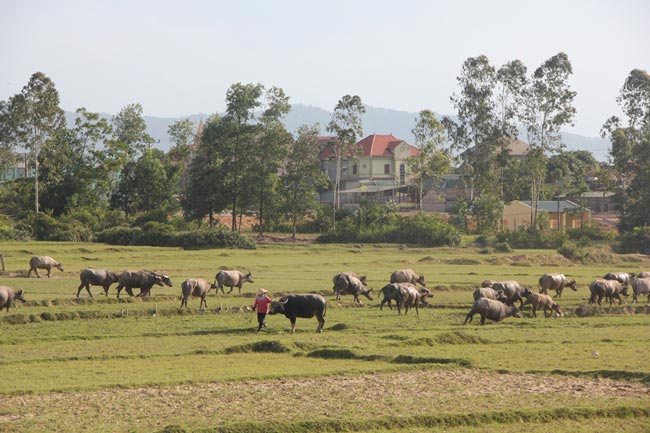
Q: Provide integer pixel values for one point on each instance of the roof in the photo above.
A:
(552, 205)
(373, 145)
(516, 148)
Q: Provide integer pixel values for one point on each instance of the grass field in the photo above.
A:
(144, 365)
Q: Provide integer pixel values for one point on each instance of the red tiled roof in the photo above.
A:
(373, 145)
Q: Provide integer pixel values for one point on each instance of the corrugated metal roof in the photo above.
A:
(552, 206)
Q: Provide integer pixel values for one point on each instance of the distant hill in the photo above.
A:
(375, 120)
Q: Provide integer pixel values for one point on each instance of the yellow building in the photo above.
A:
(562, 213)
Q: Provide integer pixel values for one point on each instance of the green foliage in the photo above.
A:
(526, 238)
(67, 228)
(160, 234)
(636, 240)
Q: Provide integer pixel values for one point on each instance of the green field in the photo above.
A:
(144, 365)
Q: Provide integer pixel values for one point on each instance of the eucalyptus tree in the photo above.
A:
(346, 126)
(433, 161)
(33, 117)
(181, 133)
(7, 154)
(302, 176)
(549, 106)
(130, 133)
(630, 152)
(271, 150)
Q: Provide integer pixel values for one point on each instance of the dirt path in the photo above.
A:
(362, 396)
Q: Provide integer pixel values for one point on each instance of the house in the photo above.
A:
(562, 213)
(378, 170)
(19, 169)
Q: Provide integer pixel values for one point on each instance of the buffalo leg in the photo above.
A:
(321, 323)
(293, 324)
(79, 289)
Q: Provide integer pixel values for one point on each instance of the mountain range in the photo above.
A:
(375, 121)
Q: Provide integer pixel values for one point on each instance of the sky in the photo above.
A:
(178, 58)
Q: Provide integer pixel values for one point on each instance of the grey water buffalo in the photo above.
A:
(489, 293)
(407, 276)
(8, 296)
(487, 283)
(622, 277)
(540, 301)
(195, 287)
(512, 291)
(231, 279)
(608, 289)
(411, 297)
(391, 292)
(555, 282)
(640, 286)
(303, 306)
(490, 309)
(143, 279)
(97, 277)
(43, 262)
(643, 274)
(347, 284)
(341, 282)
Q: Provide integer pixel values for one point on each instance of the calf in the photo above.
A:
(304, 306)
(8, 296)
(543, 302)
(231, 279)
(97, 277)
(195, 287)
(43, 262)
(490, 309)
(346, 283)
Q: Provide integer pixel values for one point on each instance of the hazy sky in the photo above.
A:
(179, 57)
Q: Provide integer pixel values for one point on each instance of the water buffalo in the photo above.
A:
(8, 296)
(407, 276)
(622, 277)
(390, 292)
(303, 306)
(231, 279)
(490, 309)
(640, 286)
(487, 283)
(490, 293)
(512, 291)
(97, 277)
(411, 297)
(643, 274)
(341, 282)
(195, 287)
(43, 262)
(346, 283)
(555, 282)
(540, 301)
(143, 279)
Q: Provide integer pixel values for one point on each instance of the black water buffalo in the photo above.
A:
(8, 296)
(622, 277)
(144, 280)
(555, 282)
(196, 287)
(231, 279)
(640, 286)
(97, 277)
(490, 309)
(407, 276)
(303, 306)
(347, 283)
(43, 262)
(512, 291)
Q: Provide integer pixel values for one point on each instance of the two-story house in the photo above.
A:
(377, 171)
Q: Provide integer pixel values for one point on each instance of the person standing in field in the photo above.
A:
(261, 305)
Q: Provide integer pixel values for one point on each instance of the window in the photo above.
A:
(402, 174)
(354, 169)
(386, 168)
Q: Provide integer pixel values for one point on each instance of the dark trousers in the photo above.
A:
(261, 317)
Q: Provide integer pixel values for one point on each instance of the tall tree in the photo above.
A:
(181, 133)
(302, 176)
(6, 141)
(433, 161)
(238, 151)
(630, 152)
(347, 128)
(130, 132)
(272, 149)
(549, 107)
(34, 117)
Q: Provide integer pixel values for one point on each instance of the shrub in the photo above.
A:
(573, 252)
(635, 241)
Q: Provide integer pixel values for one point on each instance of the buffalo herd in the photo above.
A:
(494, 300)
